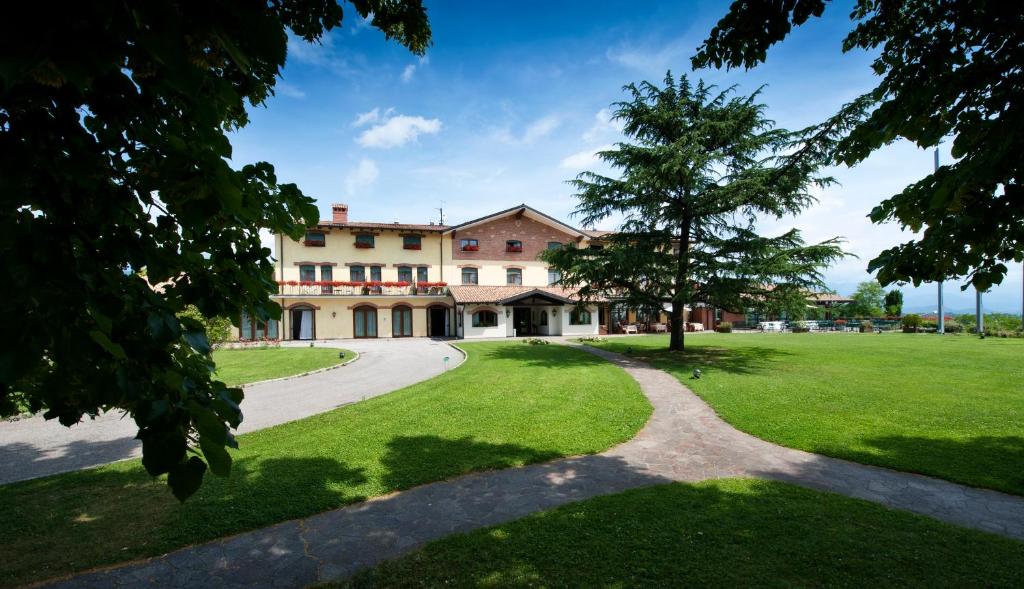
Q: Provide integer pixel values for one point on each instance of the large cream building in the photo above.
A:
(481, 278)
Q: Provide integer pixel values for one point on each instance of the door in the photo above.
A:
(438, 322)
(365, 322)
(521, 320)
(302, 324)
(401, 322)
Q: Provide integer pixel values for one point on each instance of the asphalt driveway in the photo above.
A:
(34, 447)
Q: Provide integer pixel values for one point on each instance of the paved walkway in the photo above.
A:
(683, 441)
(34, 447)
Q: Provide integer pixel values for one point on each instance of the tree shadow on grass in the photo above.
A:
(95, 517)
(741, 360)
(725, 533)
(993, 462)
(547, 356)
(413, 460)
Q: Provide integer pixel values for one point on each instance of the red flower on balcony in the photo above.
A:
(431, 284)
(314, 243)
(363, 245)
(470, 248)
(412, 246)
(514, 248)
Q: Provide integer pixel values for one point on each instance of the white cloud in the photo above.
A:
(584, 159)
(604, 126)
(410, 69)
(656, 59)
(286, 89)
(538, 129)
(366, 118)
(397, 130)
(408, 72)
(362, 177)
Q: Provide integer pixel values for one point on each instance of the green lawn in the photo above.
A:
(724, 533)
(236, 367)
(509, 404)
(951, 407)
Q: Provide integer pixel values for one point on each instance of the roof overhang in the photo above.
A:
(522, 210)
(537, 294)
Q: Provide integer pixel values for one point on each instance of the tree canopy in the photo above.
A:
(894, 303)
(867, 300)
(701, 166)
(114, 157)
(948, 68)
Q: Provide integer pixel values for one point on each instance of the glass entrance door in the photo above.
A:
(365, 322)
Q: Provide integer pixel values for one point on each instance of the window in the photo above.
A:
(421, 274)
(250, 328)
(485, 319)
(364, 241)
(307, 273)
(596, 247)
(469, 276)
(579, 317)
(314, 239)
(470, 245)
(514, 276)
(357, 274)
(401, 321)
(554, 276)
(543, 318)
(412, 242)
(375, 273)
(404, 274)
(326, 275)
(513, 245)
(553, 245)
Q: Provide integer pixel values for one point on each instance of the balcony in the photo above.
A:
(308, 288)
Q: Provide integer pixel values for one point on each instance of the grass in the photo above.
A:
(950, 407)
(237, 367)
(724, 533)
(509, 404)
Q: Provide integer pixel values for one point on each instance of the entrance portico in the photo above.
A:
(517, 311)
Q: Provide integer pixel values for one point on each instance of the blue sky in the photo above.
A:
(512, 100)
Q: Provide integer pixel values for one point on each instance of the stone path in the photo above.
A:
(34, 447)
(683, 441)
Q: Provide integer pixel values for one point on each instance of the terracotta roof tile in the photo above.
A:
(493, 294)
(373, 225)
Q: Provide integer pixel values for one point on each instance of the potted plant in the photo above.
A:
(840, 324)
(724, 327)
(800, 327)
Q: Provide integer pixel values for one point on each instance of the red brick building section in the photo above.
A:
(492, 237)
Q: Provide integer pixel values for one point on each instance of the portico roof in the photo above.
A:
(506, 295)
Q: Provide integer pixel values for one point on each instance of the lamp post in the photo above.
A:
(941, 315)
(979, 315)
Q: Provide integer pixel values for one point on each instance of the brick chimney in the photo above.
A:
(339, 213)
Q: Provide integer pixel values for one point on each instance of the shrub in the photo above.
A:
(866, 326)
(800, 327)
(593, 338)
(954, 326)
(536, 341)
(724, 327)
(913, 320)
(218, 329)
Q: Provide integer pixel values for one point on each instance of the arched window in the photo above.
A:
(579, 317)
(485, 319)
(401, 321)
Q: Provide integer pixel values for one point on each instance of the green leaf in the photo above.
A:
(197, 340)
(113, 349)
(216, 455)
(161, 451)
(186, 477)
